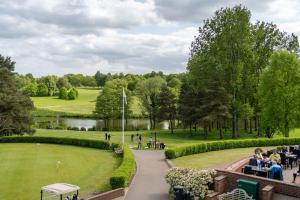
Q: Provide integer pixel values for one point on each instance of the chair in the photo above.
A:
(277, 176)
(236, 194)
(253, 162)
(248, 170)
(283, 160)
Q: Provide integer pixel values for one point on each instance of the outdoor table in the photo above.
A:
(290, 158)
(261, 171)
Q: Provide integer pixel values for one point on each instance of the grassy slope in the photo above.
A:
(27, 167)
(179, 137)
(84, 104)
(214, 159)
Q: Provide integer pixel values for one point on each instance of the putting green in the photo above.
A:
(27, 167)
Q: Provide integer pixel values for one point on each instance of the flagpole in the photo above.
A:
(123, 119)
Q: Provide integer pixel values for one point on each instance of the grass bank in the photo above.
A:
(214, 159)
(177, 139)
(82, 106)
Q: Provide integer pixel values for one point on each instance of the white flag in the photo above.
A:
(124, 96)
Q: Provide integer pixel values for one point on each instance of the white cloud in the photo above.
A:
(81, 36)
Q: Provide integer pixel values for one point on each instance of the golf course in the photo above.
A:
(83, 105)
(41, 164)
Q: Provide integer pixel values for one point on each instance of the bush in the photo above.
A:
(63, 93)
(53, 140)
(83, 129)
(227, 144)
(192, 180)
(122, 176)
(73, 94)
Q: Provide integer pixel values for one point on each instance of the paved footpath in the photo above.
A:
(149, 182)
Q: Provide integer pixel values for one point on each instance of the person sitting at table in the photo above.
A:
(266, 160)
(276, 171)
(275, 156)
(284, 149)
(258, 154)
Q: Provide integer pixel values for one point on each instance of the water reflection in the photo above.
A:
(64, 123)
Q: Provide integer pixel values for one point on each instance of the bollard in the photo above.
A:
(178, 191)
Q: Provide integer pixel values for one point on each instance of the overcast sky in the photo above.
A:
(129, 36)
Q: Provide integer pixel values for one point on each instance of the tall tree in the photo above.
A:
(15, 107)
(189, 110)
(100, 79)
(148, 91)
(279, 93)
(224, 41)
(167, 108)
(109, 102)
(216, 105)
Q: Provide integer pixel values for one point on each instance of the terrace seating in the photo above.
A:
(253, 162)
(248, 170)
(236, 194)
(118, 151)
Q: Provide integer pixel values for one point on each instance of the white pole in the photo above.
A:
(123, 119)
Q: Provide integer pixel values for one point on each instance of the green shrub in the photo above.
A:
(73, 94)
(227, 144)
(53, 140)
(122, 176)
(63, 93)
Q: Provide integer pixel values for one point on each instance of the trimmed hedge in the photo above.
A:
(227, 144)
(61, 140)
(121, 177)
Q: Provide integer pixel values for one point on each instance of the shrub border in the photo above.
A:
(122, 176)
(227, 144)
(98, 144)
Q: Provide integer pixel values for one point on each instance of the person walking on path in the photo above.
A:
(140, 142)
(108, 137)
(150, 142)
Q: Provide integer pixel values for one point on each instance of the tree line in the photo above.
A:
(240, 75)
(243, 72)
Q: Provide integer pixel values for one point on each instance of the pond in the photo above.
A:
(98, 124)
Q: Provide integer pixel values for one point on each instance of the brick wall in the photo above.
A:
(109, 195)
(279, 186)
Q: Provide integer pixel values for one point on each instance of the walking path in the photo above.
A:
(149, 182)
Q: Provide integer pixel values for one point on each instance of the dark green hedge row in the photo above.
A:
(61, 140)
(227, 144)
(121, 177)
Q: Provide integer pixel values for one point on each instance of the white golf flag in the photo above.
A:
(124, 96)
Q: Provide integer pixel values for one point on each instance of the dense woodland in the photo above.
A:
(240, 77)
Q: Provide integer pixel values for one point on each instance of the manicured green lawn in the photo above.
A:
(25, 168)
(214, 159)
(178, 138)
(84, 104)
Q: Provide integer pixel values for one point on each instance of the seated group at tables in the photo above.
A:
(270, 164)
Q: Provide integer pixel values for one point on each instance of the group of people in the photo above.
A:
(274, 161)
(150, 143)
(107, 136)
(139, 136)
(271, 162)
